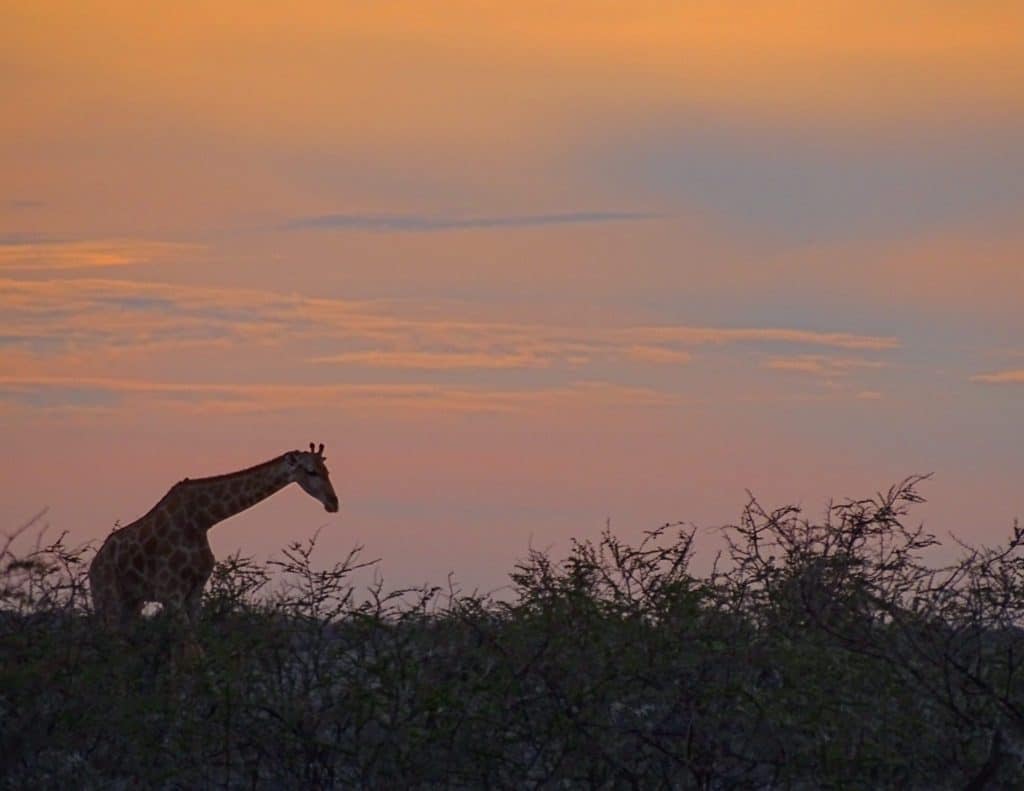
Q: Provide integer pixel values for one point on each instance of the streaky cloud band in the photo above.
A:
(416, 223)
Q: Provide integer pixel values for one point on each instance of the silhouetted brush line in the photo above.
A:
(816, 653)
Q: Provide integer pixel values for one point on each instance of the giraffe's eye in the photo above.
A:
(311, 473)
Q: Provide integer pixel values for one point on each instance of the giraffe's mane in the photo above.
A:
(187, 481)
(224, 476)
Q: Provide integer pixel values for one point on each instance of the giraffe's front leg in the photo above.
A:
(116, 610)
(183, 609)
(191, 607)
(193, 650)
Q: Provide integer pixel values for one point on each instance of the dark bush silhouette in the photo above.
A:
(817, 654)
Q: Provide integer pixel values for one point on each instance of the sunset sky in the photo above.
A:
(522, 267)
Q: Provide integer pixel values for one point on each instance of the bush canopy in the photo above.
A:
(816, 653)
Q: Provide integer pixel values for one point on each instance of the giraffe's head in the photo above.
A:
(308, 470)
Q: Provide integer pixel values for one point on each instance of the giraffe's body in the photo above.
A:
(165, 556)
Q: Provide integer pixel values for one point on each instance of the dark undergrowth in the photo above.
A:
(817, 654)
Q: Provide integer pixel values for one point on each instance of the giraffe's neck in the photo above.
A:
(213, 500)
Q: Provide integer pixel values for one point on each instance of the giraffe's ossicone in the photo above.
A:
(165, 556)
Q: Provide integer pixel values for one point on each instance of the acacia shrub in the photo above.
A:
(816, 653)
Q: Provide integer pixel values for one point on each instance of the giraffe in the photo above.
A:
(165, 556)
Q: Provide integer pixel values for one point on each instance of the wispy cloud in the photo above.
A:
(659, 355)
(1012, 377)
(75, 315)
(98, 394)
(88, 345)
(11, 238)
(435, 361)
(821, 365)
(723, 335)
(414, 223)
(33, 253)
(835, 375)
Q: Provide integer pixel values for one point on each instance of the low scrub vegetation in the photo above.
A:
(818, 653)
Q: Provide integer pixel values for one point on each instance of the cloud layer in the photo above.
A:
(118, 312)
(1001, 377)
(423, 223)
(93, 326)
(27, 253)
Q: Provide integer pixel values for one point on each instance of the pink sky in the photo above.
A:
(521, 270)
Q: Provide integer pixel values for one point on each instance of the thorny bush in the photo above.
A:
(816, 653)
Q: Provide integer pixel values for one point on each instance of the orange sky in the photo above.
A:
(523, 268)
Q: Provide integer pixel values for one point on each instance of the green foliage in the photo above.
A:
(816, 654)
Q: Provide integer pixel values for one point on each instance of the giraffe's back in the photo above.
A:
(161, 557)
